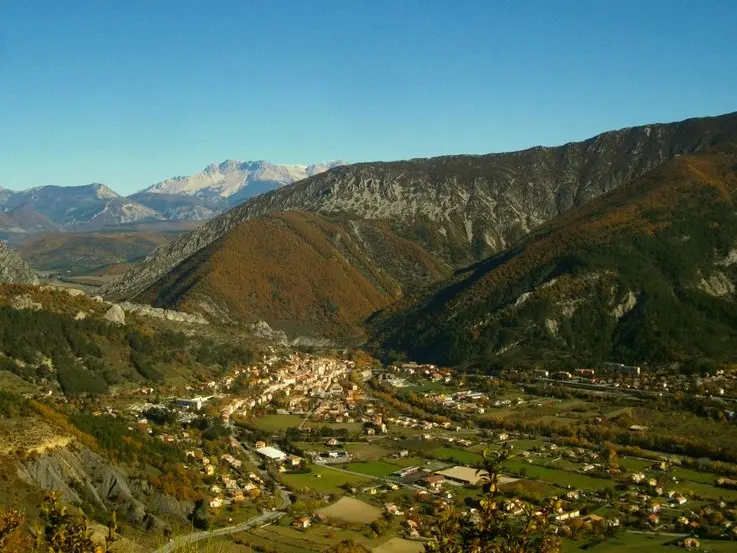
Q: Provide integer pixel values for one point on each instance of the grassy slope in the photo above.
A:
(299, 269)
(657, 237)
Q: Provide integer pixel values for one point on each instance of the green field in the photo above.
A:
(693, 475)
(269, 540)
(557, 419)
(633, 464)
(462, 456)
(321, 479)
(410, 462)
(315, 538)
(706, 491)
(382, 469)
(367, 451)
(427, 387)
(277, 423)
(559, 477)
(349, 426)
(525, 445)
(531, 489)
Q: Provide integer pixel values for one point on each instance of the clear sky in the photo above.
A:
(130, 92)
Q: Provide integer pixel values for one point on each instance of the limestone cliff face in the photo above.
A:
(13, 270)
(459, 208)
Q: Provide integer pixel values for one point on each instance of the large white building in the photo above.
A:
(271, 453)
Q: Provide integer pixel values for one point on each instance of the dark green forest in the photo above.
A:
(660, 238)
(88, 356)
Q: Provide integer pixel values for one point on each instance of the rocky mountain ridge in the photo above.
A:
(13, 270)
(460, 209)
(643, 274)
(235, 181)
(194, 198)
(68, 208)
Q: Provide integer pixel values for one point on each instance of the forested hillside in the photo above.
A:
(643, 274)
(298, 271)
(64, 343)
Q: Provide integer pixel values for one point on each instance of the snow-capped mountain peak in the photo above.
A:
(238, 180)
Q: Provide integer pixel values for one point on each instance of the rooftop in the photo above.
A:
(271, 453)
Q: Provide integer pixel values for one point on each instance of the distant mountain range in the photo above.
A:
(375, 232)
(198, 197)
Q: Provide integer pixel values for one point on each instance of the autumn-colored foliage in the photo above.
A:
(11, 537)
(299, 269)
(58, 531)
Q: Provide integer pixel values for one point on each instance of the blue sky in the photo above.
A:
(131, 92)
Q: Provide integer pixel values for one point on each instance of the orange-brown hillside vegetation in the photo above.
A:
(298, 270)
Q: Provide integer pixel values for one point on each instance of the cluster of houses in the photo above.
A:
(400, 376)
(628, 377)
(411, 422)
(298, 379)
(234, 486)
(339, 404)
(235, 489)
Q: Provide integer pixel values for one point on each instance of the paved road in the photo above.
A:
(266, 518)
(664, 534)
(309, 414)
(186, 539)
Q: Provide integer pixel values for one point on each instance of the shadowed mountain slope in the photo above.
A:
(646, 273)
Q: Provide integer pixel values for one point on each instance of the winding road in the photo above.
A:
(187, 539)
(261, 520)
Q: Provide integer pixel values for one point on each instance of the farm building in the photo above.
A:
(271, 453)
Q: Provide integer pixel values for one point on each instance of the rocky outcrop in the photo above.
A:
(115, 314)
(74, 292)
(164, 314)
(25, 302)
(263, 330)
(627, 304)
(13, 270)
(628, 285)
(460, 208)
(717, 284)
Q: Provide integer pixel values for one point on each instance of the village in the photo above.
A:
(375, 451)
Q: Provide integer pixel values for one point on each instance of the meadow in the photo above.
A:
(277, 423)
(562, 478)
(321, 479)
(380, 469)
